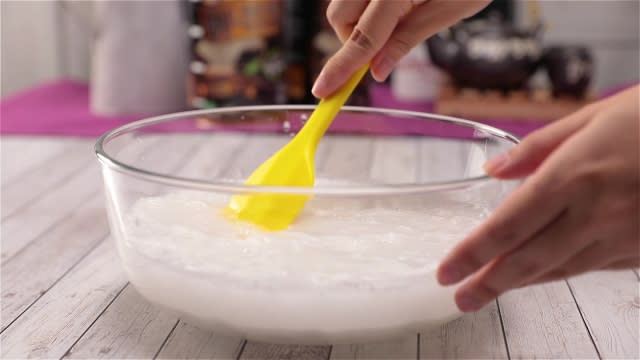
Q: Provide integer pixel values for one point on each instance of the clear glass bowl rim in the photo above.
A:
(233, 187)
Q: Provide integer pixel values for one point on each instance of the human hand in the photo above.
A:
(382, 32)
(578, 211)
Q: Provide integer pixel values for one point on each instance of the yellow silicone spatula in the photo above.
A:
(292, 165)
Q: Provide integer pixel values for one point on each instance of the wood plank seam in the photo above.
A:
(30, 154)
(51, 325)
(237, 149)
(183, 161)
(38, 238)
(93, 248)
(42, 293)
(164, 342)
(68, 351)
(76, 172)
(584, 321)
(97, 192)
(249, 347)
(44, 192)
(330, 352)
(15, 177)
(172, 333)
(392, 159)
(244, 344)
(504, 333)
(46, 230)
(35, 270)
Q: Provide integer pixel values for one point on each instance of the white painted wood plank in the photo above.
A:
(473, 336)
(19, 154)
(394, 160)
(47, 211)
(56, 203)
(190, 342)
(405, 348)
(610, 304)
(131, 326)
(45, 178)
(258, 148)
(215, 156)
(54, 323)
(256, 350)
(543, 321)
(145, 328)
(49, 268)
(58, 244)
(441, 159)
(210, 160)
(44, 261)
(339, 157)
(347, 158)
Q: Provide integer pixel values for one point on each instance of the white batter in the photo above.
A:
(344, 271)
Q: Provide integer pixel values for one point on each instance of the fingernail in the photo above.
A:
(449, 275)
(321, 87)
(383, 67)
(467, 303)
(314, 89)
(496, 164)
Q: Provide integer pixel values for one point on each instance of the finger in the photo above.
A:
(422, 22)
(630, 263)
(523, 214)
(551, 276)
(343, 16)
(524, 158)
(548, 249)
(595, 257)
(592, 257)
(560, 274)
(371, 32)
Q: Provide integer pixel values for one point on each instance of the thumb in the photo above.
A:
(525, 157)
(371, 32)
(424, 20)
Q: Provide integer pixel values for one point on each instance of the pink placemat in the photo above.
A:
(57, 108)
(62, 108)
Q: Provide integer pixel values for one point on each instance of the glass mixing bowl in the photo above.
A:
(395, 191)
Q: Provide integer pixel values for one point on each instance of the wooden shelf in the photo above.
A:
(536, 104)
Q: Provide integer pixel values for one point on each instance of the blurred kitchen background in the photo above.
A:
(125, 59)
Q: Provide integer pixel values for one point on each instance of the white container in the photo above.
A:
(139, 64)
(415, 78)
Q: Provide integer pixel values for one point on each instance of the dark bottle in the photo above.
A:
(570, 69)
(299, 26)
(237, 56)
(324, 44)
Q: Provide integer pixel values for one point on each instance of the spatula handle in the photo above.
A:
(329, 107)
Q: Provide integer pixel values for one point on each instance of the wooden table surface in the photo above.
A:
(64, 293)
